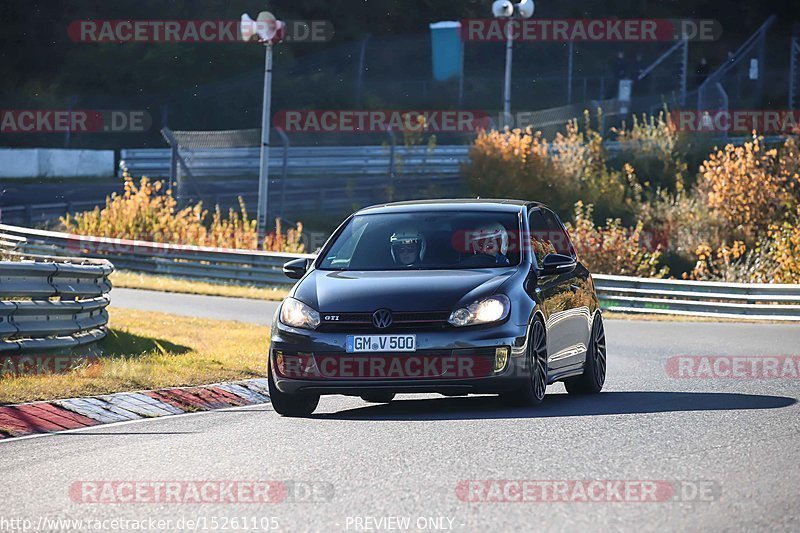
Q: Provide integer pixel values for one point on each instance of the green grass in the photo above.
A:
(147, 350)
(137, 280)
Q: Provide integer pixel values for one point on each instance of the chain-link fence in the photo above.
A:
(740, 81)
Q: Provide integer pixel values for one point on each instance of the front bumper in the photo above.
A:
(452, 362)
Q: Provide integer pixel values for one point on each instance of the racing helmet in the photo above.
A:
(492, 231)
(405, 236)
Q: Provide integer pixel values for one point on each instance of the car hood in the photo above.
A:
(411, 290)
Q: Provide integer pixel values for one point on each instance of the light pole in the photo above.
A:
(266, 30)
(504, 9)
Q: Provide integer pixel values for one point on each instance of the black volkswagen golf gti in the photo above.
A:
(448, 296)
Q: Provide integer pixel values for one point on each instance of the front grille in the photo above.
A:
(401, 322)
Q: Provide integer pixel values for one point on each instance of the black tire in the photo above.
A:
(594, 369)
(378, 397)
(533, 391)
(290, 404)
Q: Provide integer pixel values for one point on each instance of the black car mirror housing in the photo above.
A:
(555, 264)
(296, 268)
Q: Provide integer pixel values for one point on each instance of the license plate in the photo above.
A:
(381, 343)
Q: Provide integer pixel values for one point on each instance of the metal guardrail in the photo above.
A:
(302, 161)
(337, 178)
(301, 195)
(49, 303)
(252, 267)
(752, 301)
(35, 214)
(617, 293)
(351, 161)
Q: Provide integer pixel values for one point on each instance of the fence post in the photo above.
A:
(360, 74)
(761, 70)
(285, 169)
(392, 148)
(569, 73)
(174, 170)
(725, 104)
(794, 57)
(684, 70)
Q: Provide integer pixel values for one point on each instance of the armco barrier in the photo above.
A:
(296, 195)
(754, 301)
(52, 305)
(302, 161)
(617, 293)
(250, 267)
(352, 161)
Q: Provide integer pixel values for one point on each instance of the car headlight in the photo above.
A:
(486, 311)
(296, 314)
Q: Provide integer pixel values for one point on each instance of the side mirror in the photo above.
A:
(296, 268)
(555, 264)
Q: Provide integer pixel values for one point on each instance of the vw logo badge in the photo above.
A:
(382, 318)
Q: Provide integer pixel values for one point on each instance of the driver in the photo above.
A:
(491, 240)
(407, 246)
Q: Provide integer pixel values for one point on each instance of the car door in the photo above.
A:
(565, 297)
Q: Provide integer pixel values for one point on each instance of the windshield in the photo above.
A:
(426, 241)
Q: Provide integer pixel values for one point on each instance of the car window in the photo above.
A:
(557, 233)
(425, 241)
(539, 238)
(343, 254)
(547, 235)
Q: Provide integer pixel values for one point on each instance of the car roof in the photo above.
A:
(454, 204)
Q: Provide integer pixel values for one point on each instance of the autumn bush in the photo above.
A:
(573, 166)
(775, 259)
(614, 248)
(657, 205)
(148, 211)
(753, 193)
(515, 164)
(750, 187)
(782, 249)
(681, 223)
(653, 146)
(726, 263)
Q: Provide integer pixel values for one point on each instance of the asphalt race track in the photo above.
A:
(730, 447)
(242, 309)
